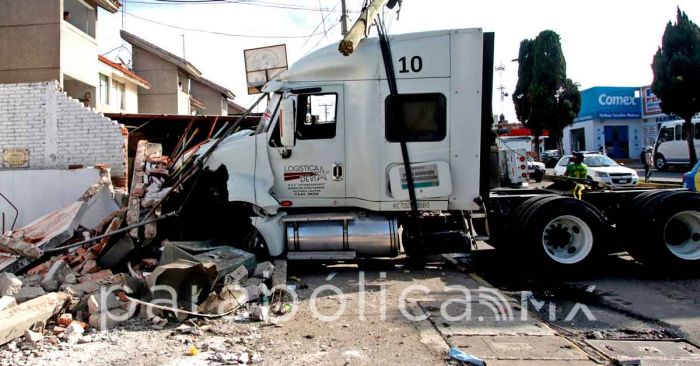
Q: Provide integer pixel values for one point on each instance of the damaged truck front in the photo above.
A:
(323, 176)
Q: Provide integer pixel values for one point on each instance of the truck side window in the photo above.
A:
(666, 134)
(316, 116)
(697, 131)
(678, 133)
(422, 117)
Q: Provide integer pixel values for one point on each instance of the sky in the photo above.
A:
(605, 42)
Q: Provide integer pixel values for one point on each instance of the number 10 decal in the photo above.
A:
(416, 64)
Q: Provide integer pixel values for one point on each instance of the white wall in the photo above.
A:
(57, 130)
(78, 54)
(38, 192)
(595, 135)
(131, 98)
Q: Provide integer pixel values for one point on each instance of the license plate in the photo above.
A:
(624, 181)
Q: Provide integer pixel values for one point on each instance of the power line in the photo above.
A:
(220, 33)
(323, 19)
(238, 2)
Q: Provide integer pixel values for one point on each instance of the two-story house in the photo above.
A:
(177, 86)
(118, 87)
(45, 40)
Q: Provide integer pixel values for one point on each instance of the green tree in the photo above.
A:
(676, 69)
(543, 94)
(568, 107)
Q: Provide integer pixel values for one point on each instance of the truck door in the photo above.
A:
(312, 173)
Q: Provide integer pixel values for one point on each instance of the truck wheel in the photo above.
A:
(671, 234)
(660, 162)
(562, 233)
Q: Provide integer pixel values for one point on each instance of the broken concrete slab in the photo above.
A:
(32, 337)
(237, 276)
(29, 293)
(56, 276)
(100, 205)
(190, 281)
(279, 276)
(46, 232)
(102, 302)
(17, 319)
(228, 299)
(264, 270)
(9, 284)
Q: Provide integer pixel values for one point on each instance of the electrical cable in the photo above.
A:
(219, 33)
(237, 2)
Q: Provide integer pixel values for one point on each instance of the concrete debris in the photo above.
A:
(260, 313)
(32, 337)
(56, 276)
(9, 284)
(237, 276)
(17, 319)
(64, 320)
(29, 293)
(264, 270)
(102, 302)
(74, 286)
(7, 302)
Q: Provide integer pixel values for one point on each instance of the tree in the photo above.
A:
(568, 107)
(543, 94)
(676, 67)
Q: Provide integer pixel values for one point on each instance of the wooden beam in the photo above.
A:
(17, 319)
(358, 30)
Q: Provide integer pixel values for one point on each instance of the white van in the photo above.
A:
(671, 146)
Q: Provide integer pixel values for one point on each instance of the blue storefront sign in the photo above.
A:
(604, 102)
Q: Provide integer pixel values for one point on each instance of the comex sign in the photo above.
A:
(610, 103)
(605, 99)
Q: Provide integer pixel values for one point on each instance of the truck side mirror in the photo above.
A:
(287, 124)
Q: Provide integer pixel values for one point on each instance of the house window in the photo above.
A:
(316, 116)
(119, 94)
(416, 117)
(103, 96)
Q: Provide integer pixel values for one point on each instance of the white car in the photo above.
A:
(602, 169)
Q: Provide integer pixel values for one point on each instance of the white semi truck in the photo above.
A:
(324, 175)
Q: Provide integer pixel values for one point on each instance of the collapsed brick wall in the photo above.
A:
(58, 131)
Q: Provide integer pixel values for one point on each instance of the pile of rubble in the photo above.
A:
(100, 261)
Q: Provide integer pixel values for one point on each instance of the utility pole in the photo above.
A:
(359, 29)
(344, 19)
(501, 68)
(183, 46)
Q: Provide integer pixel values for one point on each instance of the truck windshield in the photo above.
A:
(266, 119)
(598, 161)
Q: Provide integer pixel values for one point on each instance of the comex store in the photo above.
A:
(609, 117)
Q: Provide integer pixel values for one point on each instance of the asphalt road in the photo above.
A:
(626, 300)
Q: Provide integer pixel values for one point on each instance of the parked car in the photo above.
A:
(535, 169)
(691, 179)
(602, 169)
(549, 158)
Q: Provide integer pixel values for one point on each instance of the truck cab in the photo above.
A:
(328, 144)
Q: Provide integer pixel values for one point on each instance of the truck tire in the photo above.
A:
(562, 233)
(671, 235)
(660, 162)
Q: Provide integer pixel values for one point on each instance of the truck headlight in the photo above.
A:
(601, 174)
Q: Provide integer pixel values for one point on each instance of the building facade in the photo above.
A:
(610, 117)
(52, 40)
(118, 87)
